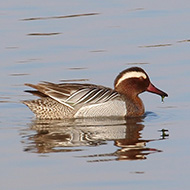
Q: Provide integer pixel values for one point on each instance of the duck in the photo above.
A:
(77, 100)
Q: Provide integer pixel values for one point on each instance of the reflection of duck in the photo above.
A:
(69, 136)
(72, 100)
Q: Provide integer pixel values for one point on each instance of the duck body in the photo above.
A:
(73, 100)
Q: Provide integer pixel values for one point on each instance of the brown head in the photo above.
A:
(134, 81)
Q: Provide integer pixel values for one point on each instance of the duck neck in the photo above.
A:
(134, 106)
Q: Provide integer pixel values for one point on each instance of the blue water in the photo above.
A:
(95, 40)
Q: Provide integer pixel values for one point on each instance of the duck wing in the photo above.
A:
(74, 94)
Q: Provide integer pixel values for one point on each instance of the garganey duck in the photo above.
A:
(73, 100)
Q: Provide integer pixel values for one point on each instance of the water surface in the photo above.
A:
(92, 41)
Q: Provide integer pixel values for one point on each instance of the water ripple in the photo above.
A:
(44, 34)
(59, 17)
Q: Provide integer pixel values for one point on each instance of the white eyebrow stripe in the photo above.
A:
(132, 74)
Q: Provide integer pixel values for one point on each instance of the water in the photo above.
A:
(93, 41)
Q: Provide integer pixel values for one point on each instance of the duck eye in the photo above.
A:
(141, 78)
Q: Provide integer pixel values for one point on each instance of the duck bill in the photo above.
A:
(151, 88)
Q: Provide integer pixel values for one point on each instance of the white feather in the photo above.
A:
(132, 74)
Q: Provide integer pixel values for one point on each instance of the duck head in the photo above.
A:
(134, 81)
